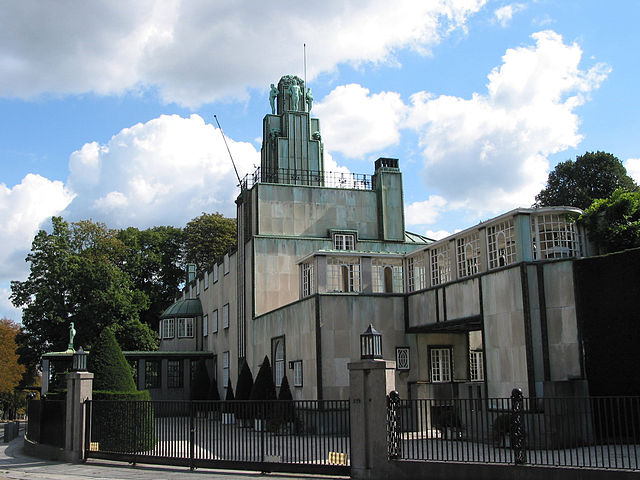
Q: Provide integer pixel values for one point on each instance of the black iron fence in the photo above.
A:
(47, 421)
(593, 432)
(289, 436)
(294, 176)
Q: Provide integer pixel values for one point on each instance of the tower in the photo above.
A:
(292, 151)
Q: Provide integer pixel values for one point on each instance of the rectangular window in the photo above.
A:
(194, 367)
(386, 275)
(215, 273)
(167, 327)
(343, 274)
(468, 254)
(214, 322)
(440, 367)
(225, 316)
(476, 366)
(344, 241)
(554, 236)
(501, 244)
(225, 369)
(402, 358)
(152, 374)
(297, 373)
(133, 364)
(226, 263)
(416, 273)
(440, 265)
(174, 374)
(185, 327)
(206, 280)
(205, 325)
(307, 279)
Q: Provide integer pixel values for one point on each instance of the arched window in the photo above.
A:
(388, 279)
(278, 361)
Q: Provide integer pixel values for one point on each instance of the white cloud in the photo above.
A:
(437, 234)
(426, 212)
(163, 172)
(489, 153)
(196, 51)
(7, 310)
(356, 122)
(23, 208)
(633, 168)
(504, 14)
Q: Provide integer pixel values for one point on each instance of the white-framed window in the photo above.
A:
(214, 321)
(215, 273)
(167, 328)
(185, 327)
(297, 373)
(205, 325)
(554, 236)
(501, 244)
(468, 254)
(206, 280)
(226, 263)
(440, 364)
(417, 278)
(225, 316)
(344, 241)
(277, 345)
(343, 274)
(440, 264)
(307, 279)
(402, 358)
(225, 369)
(386, 275)
(476, 365)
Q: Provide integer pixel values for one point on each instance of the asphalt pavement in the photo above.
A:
(15, 465)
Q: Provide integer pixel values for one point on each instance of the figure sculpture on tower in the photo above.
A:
(294, 91)
(273, 94)
(309, 99)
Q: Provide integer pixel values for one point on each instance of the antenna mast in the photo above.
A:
(230, 156)
(304, 90)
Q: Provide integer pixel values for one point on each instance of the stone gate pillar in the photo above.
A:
(370, 382)
(79, 390)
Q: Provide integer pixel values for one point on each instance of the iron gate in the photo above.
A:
(308, 436)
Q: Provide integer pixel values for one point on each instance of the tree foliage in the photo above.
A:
(245, 382)
(76, 277)
(263, 387)
(613, 223)
(577, 184)
(10, 370)
(208, 237)
(201, 383)
(109, 366)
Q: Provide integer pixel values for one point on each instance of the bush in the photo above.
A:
(243, 391)
(124, 423)
(229, 399)
(110, 368)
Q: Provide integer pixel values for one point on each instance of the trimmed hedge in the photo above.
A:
(107, 362)
(124, 424)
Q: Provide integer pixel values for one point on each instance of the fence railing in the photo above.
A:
(47, 422)
(310, 436)
(593, 432)
(292, 176)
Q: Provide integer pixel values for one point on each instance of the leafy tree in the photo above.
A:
(613, 223)
(107, 362)
(207, 237)
(10, 370)
(153, 259)
(76, 277)
(214, 394)
(285, 390)
(593, 175)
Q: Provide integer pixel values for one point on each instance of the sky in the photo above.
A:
(106, 107)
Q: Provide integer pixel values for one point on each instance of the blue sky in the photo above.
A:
(107, 106)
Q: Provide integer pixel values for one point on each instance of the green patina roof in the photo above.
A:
(189, 307)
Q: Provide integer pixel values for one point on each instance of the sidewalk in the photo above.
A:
(14, 465)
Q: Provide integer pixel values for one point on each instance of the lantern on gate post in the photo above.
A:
(79, 361)
(371, 344)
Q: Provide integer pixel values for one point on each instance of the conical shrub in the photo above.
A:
(108, 365)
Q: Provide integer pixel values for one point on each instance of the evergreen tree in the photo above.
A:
(285, 390)
(111, 370)
(201, 383)
(264, 388)
(213, 391)
(245, 383)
